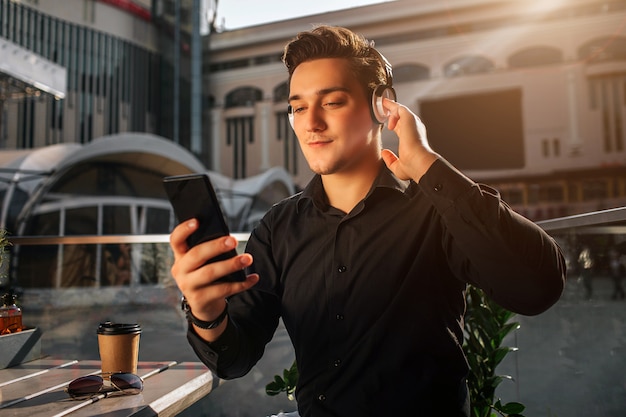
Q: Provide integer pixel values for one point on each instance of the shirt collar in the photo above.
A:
(314, 191)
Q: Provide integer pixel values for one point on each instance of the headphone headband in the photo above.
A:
(385, 62)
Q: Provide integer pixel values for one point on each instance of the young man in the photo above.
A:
(368, 265)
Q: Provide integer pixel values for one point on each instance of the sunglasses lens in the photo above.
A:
(85, 385)
(129, 383)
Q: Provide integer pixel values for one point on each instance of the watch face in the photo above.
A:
(200, 323)
(183, 304)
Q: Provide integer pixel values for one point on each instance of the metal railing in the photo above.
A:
(54, 261)
(592, 221)
(63, 262)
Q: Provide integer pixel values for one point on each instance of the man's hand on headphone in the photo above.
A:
(414, 153)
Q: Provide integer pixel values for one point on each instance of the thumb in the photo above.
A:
(392, 162)
(389, 157)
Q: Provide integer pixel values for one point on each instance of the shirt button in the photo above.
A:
(337, 363)
(438, 187)
(342, 269)
(339, 317)
(321, 398)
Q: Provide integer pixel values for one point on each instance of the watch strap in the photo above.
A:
(206, 325)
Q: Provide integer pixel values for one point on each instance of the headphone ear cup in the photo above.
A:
(379, 114)
(290, 115)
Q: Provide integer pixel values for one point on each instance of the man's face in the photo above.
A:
(332, 118)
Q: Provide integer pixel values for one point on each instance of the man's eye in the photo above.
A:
(298, 109)
(333, 104)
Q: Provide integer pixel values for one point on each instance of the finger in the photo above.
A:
(210, 292)
(393, 114)
(194, 262)
(389, 157)
(226, 289)
(390, 105)
(178, 237)
(214, 271)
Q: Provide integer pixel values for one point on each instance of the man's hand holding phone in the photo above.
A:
(207, 267)
(196, 277)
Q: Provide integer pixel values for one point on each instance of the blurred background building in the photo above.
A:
(525, 95)
(102, 98)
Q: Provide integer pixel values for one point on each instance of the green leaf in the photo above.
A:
(273, 389)
(512, 408)
(499, 354)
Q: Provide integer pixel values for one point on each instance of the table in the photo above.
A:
(36, 388)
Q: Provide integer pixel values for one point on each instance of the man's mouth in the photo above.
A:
(318, 141)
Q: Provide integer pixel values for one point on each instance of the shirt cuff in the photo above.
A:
(210, 353)
(444, 184)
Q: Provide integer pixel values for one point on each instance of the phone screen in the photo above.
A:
(193, 196)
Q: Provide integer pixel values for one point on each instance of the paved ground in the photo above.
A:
(571, 360)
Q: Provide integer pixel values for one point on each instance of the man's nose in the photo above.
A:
(315, 120)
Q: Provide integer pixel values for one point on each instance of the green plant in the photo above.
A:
(486, 326)
(4, 242)
(286, 383)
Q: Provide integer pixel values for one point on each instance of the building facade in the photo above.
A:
(525, 95)
(87, 157)
(114, 73)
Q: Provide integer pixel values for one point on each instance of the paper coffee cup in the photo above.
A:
(119, 347)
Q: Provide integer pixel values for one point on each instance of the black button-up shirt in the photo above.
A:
(373, 300)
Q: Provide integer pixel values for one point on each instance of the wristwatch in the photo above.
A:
(206, 325)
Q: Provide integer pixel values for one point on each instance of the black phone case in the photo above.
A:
(193, 196)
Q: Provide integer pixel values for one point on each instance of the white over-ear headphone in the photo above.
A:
(377, 110)
(290, 115)
(379, 114)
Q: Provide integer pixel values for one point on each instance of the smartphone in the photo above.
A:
(193, 196)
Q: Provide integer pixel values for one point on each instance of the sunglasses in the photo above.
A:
(90, 385)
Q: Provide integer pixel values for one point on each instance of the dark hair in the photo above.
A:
(337, 42)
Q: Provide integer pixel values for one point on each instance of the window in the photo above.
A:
(552, 193)
(240, 128)
(514, 196)
(594, 190)
(603, 50)
(608, 95)
(535, 56)
(284, 132)
(410, 72)
(243, 97)
(467, 65)
(281, 92)
(239, 132)
(550, 147)
(556, 147)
